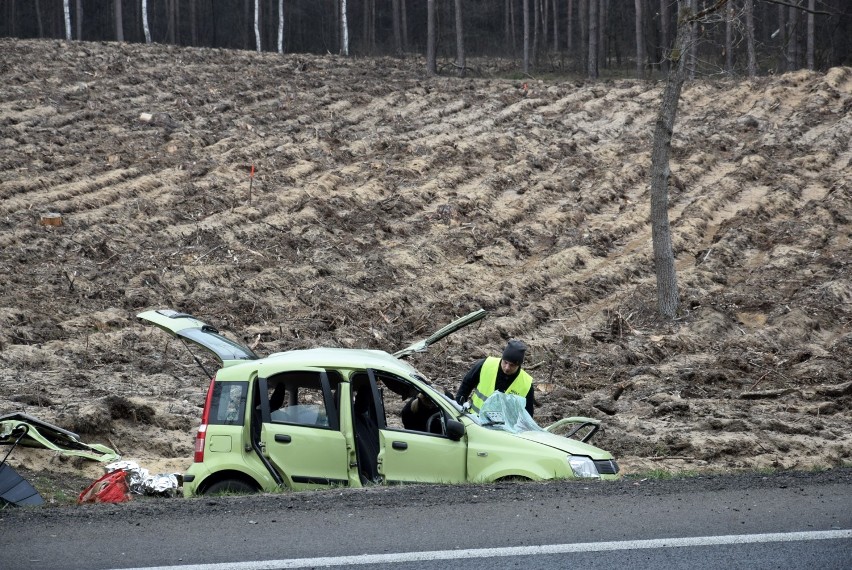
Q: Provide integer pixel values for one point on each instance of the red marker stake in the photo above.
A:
(251, 181)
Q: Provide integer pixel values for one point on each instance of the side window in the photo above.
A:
(228, 404)
(299, 398)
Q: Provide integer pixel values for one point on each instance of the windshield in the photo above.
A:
(505, 412)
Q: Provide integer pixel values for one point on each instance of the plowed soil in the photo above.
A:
(385, 204)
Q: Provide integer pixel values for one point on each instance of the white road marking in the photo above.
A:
(402, 557)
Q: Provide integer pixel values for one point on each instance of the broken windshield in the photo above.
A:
(506, 412)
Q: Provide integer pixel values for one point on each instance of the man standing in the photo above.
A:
(498, 374)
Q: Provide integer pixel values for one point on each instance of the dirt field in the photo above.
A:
(384, 205)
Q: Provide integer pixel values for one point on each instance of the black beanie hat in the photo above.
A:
(514, 352)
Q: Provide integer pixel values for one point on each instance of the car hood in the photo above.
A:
(571, 446)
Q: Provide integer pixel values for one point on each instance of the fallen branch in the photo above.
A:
(766, 394)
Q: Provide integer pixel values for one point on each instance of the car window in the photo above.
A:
(406, 408)
(299, 398)
(228, 403)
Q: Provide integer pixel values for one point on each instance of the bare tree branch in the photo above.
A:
(802, 8)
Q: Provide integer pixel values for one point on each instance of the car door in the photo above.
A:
(300, 429)
(407, 456)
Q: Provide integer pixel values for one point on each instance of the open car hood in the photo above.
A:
(189, 328)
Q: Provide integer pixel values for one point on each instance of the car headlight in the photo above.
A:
(582, 466)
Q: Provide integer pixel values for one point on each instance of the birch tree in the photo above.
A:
(66, 5)
(145, 22)
(257, 25)
(344, 28)
(281, 25)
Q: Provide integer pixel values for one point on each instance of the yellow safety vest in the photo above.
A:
(520, 386)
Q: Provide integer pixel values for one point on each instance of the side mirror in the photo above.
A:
(455, 430)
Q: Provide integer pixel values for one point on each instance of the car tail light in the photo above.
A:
(200, 437)
(199, 443)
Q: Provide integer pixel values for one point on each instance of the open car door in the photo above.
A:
(187, 327)
(422, 345)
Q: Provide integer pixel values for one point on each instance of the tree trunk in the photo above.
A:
(752, 57)
(281, 25)
(431, 63)
(640, 42)
(507, 18)
(536, 16)
(693, 40)
(729, 40)
(66, 5)
(664, 36)
(555, 26)
(593, 39)
(397, 32)
(569, 30)
(38, 19)
(793, 40)
(782, 36)
(403, 14)
(257, 25)
(79, 23)
(145, 26)
(667, 291)
(170, 19)
(584, 35)
(344, 27)
(460, 58)
(119, 20)
(193, 22)
(526, 10)
(810, 32)
(603, 42)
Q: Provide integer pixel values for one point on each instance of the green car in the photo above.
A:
(314, 418)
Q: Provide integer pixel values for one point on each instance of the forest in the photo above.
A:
(591, 38)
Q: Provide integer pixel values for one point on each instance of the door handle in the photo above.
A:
(282, 438)
(399, 445)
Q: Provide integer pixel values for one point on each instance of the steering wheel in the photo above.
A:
(439, 415)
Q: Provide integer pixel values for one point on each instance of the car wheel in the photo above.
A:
(230, 486)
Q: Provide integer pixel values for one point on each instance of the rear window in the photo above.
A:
(228, 405)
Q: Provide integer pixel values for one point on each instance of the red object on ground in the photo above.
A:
(111, 488)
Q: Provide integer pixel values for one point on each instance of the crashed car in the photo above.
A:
(317, 417)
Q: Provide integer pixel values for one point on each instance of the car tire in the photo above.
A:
(231, 487)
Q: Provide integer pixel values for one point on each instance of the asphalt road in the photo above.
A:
(765, 521)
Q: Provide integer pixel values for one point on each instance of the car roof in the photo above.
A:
(326, 357)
